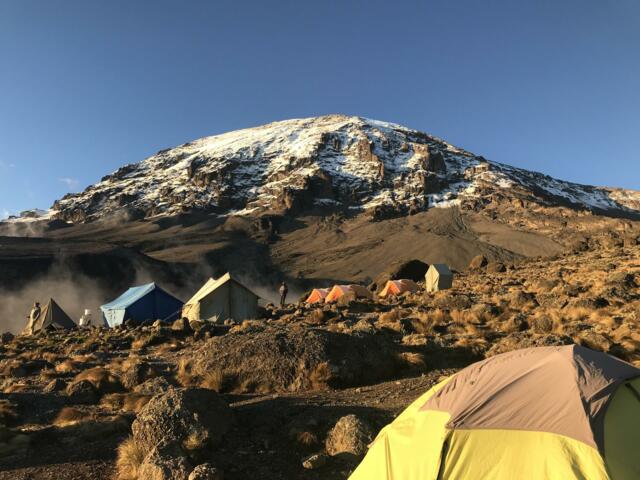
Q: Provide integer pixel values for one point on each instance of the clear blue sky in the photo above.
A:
(89, 85)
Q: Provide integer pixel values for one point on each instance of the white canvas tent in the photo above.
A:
(222, 299)
(438, 277)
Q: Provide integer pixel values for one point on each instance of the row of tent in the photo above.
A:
(223, 298)
(438, 277)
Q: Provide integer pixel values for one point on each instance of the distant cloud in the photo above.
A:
(69, 182)
(5, 165)
(4, 213)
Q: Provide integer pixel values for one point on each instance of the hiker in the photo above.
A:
(33, 317)
(85, 319)
(283, 293)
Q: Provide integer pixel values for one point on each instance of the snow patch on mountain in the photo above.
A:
(332, 161)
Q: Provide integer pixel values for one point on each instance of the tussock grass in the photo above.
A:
(71, 416)
(129, 460)
(321, 376)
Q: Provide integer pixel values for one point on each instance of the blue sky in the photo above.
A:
(87, 86)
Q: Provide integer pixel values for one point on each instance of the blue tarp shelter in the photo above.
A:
(146, 302)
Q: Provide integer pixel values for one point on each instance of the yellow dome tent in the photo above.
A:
(539, 413)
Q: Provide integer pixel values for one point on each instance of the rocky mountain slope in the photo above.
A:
(329, 162)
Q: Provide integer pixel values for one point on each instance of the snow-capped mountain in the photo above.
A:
(332, 161)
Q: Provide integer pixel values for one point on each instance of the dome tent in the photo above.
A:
(350, 292)
(398, 287)
(549, 412)
(317, 295)
(145, 302)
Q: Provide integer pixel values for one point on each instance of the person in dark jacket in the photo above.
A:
(283, 293)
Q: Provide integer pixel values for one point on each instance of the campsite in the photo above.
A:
(307, 388)
(337, 240)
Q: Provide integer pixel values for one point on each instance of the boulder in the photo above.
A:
(153, 386)
(134, 374)
(349, 435)
(165, 462)
(281, 358)
(82, 392)
(179, 415)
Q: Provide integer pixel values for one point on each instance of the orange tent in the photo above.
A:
(317, 295)
(398, 287)
(352, 291)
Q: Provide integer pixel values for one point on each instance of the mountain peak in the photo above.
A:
(327, 162)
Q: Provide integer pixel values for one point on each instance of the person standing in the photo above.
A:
(34, 316)
(283, 293)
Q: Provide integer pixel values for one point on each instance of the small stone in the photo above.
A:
(314, 461)
(206, 471)
(55, 385)
(181, 325)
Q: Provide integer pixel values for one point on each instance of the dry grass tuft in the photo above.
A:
(306, 438)
(426, 323)
(321, 376)
(7, 412)
(196, 440)
(71, 416)
(130, 459)
(217, 380)
(413, 360)
(127, 402)
(68, 366)
(102, 379)
(184, 375)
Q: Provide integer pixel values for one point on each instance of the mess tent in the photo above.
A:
(398, 287)
(564, 412)
(142, 303)
(350, 292)
(438, 277)
(51, 317)
(317, 295)
(222, 299)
